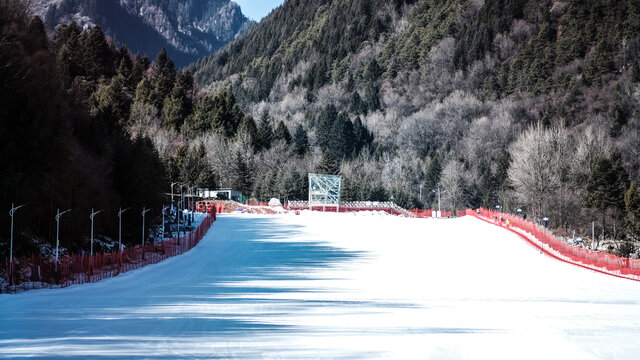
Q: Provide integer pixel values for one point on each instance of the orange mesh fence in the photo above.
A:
(549, 244)
(40, 271)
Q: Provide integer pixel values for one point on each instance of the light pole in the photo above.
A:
(190, 190)
(172, 185)
(93, 214)
(438, 192)
(120, 212)
(144, 212)
(11, 212)
(58, 215)
(164, 208)
(179, 204)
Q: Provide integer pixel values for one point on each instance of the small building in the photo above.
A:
(227, 193)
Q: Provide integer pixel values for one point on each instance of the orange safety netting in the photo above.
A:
(548, 243)
(40, 271)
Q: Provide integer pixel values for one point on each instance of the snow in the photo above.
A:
(347, 286)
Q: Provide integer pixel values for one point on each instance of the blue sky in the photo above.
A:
(257, 9)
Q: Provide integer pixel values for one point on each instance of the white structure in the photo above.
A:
(324, 190)
(230, 194)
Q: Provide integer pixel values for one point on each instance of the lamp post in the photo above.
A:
(11, 212)
(58, 215)
(120, 212)
(172, 185)
(438, 192)
(144, 212)
(164, 208)
(179, 204)
(93, 214)
(190, 190)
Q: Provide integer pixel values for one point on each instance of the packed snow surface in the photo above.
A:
(336, 286)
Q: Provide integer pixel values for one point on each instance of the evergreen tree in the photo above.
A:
(138, 69)
(327, 164)
(342, 139)
(125, 66)
(242, 176)
(300, 141)
(606, 187)
(373, 98)
(248, 127)
(356, 105)
(143, 91)
(178, 105)
(373, 72)
(69, 55)
(282, 133)
(196, 170)
(112, 103)
(502, 171)
(293, 185)
(377, 193)
(98, 57)
(432, 178)
(265, 132)
(325, 125)
(163, 78)
(632, 205)
(361, 135)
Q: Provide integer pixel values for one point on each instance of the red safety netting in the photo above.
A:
(40, 271)
(548, 243)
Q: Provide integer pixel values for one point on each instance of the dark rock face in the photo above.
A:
(188, 29)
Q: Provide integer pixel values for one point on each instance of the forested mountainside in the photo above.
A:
(518, 104)
(59, 145)
(511, 103)
(188, 29)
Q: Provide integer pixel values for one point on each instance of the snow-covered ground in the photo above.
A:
(336, 286)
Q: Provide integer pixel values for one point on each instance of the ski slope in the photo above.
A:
(322, 285)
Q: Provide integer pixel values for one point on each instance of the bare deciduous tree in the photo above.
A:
(540, 157)
(451, 181)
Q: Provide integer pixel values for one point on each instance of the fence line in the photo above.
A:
(38, 271)
(546, 242)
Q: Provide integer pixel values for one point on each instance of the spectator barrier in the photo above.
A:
(38, 271)
(353, 206)
(545, 241)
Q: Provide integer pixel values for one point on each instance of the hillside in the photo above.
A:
(524, 105)
(455, 94)
(188, 29)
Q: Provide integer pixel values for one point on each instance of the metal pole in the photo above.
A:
(163, 210)
(11, 212)
(120, 211)
(172, 185)
(57, 234)
(91, 253)
(144, 212)
(58, 215)
(178, 205)
(593, 231)
(93, 214)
